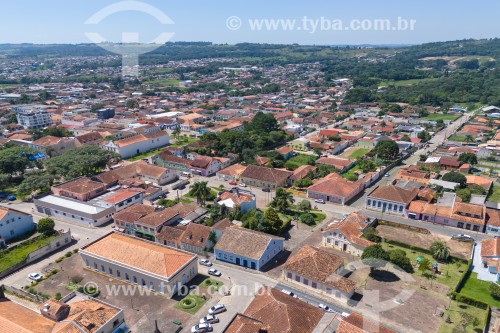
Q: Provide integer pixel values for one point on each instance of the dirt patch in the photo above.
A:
(416, 314)
(458, 249)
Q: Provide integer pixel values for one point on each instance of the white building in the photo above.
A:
(32, 116)
(137, 144)
(14, 223)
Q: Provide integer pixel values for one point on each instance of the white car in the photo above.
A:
(202, 328)
(210, 319)
(214, 272)
(387, 175)
(462, 237)
(321, 201)
(325, 308)
(216, 309)
(35, 276)
(205, 262)
(289, 293)
(242, 185)
(345, 314)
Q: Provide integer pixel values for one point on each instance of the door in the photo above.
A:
(344, 248)
(237, 261)
(245, 262)
(253, 266)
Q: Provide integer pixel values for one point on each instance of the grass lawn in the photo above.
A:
(190, 303)
(495, 194)
(211, 284)
(17, 255)
(210, 197)
(479, 290)
(437, 116)
(317, 214)
(351, 172)
(146, 154)
(462, 319)
(457, 138)
(184, 141)
(406, 82)
(299, 160)
(450, 273)
(163, 83)
(357, 153)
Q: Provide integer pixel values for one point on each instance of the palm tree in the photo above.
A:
(176, 132)
(424, 265)
(440, 250)
(201, 191)
(469, 138)
(282, 200)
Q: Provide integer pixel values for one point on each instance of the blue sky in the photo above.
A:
(58, 21)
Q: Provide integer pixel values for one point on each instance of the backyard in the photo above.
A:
(495, 194)
(15, 256)
(438, 116)
(183, 141)
(146, 154)
(354, 153)
(299, 160)
(479, 290)
(464, 318)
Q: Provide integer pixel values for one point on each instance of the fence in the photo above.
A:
(23, 294)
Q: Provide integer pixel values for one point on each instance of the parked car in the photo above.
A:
(11, 197)
(462, 237)
(205, 262)
(209, 319)
(233, 183)
(321, 201)
(35, 276)
(387, 175)
(288, 292)
(214, 272)
(242, 185)
(325, 308)
(217, 309)
(202, 328)
(265, 189)
(345, 314)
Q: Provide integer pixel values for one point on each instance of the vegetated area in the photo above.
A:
(11, 257)
(464, 318)
(495, 194)
(299, 160)
(183, 140)
(354, 153)
(438, 116)
(163, 83)
(478, 289)
(406, 82)
(146, 154)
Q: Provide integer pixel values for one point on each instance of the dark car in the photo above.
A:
(266, 190)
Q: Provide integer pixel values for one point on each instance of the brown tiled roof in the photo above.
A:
(478, 180)
(283, 313)
(139, 168)
(284, 150)
(184, 209)
(260, 160)
(338, 163)
(108, 177)
(319, 265)
(244, 324)
(133, 213)
(201, 162)
(167, 156)
(80, 185)
(196, 235)
(394, 194)
(49, 140)
(156, 219)
(244, 242)
(232, 170)
(269, 175)
(121, 195)
(334, 184)
(356, 323)
(89, 137)
(15, 318)
(351, 228)
(139, 254)
(302, 171)
(223, 224)
(169, 233)
(490, 247)
(236, 198)
(493, 217)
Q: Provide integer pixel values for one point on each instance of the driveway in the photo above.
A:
(477, 266)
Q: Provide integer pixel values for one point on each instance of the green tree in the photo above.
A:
(398, 257)
(469, 158)
(374, 256)
(282, 200)
(406, 138)
(46, 226)
(424, 265)
(469, 138)
(307, 218)
(440, 250)
(387, 150)
(273, 219)
(201, 191)
(304, 206)
(304, 182)
(366, 165)
(494, 290)
(4, 180)
(132, 104)
(464, 194)
(371, 234)
(424, 136)
(36, 181)
(455, 177)
(176, 132)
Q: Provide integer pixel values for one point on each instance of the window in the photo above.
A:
(379, 204)
(305, 281)
(400, 209)
(135, 280)
(87, 262)
(369, 202)
(151, 285)
(289, 275)
(390, 206)
(314, 285)
(118, 273)
(127, 277)
(110, 271)
(143, 282)
(95, 266)
(460, 225)
(102, 268)
(297, 278)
